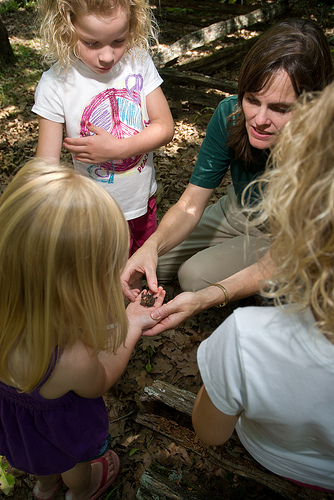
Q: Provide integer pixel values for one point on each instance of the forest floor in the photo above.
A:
(170, 357)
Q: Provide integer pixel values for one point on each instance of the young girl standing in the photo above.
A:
(65, 336)
(269, 371)
(105, 91)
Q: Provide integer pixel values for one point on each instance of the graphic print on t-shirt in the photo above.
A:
(119, 111)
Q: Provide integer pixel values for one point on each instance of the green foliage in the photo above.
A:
(331, 41)
(15, 5)
(149, 443)
(9, 6)
(179, 10)
(208, 110)
(7, 481)
(23, 75)
(111, 493)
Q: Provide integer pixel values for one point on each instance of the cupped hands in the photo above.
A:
(170, 315)
(140, 315)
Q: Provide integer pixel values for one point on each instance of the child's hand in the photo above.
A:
(98, 148)
(140, 315)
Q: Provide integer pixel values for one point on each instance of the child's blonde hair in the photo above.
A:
(63, 243)
(59, 37)
(298, 204)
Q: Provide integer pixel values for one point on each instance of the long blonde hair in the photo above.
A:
(59, 37)
(63, 243)
(298, 206)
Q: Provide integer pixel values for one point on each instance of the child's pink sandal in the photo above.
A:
(50, 494)
(107, 479)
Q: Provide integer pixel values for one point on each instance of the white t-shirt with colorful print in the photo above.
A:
(116, 102)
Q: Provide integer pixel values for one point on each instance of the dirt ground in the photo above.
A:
(170, 357)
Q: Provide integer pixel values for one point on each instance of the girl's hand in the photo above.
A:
(103, 146)
(139, 316)
(97, 148)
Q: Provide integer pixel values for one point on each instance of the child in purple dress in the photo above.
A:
(65, 336)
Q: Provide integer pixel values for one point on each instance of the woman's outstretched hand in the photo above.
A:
(172, 314)
(143, 262)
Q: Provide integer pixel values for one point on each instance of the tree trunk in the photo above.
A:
(215, 31)
(6, 53)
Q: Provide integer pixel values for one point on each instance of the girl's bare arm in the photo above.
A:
(211, 425)
(50, 139)
(89, 375)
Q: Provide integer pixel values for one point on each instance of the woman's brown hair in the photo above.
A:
(297, 46)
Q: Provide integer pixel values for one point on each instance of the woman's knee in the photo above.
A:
(192, 276)
(218, 263)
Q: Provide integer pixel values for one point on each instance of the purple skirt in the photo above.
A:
(49, 436)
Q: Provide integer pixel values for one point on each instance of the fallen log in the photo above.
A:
(167, 410)
(217, 30)
(182, 78)
(223, 57)
(206, 7)
(177, 93)
(154, 485)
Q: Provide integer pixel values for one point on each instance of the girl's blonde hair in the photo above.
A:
(63, 243)
(59, 37)
(298, 206)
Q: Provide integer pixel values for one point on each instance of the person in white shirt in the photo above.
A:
(105, 91)
(268, 371)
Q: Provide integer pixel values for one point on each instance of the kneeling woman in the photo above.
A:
(269, 371)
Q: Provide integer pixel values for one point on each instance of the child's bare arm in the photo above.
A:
(93, 375)
(89, 375)
(139, 319)
(50, 138)
(211, 425)
(103, 146)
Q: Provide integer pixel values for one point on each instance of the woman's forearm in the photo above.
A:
(187, 304)
(181, 219)
(240, 285)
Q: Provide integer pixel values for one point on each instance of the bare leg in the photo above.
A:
(46, 486)
(85, 478)
(79, 479)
